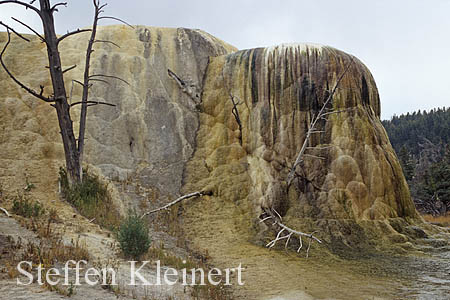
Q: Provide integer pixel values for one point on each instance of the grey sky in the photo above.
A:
(405, 43)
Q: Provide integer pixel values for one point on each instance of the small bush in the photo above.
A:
(26, 208)
(91, 199)
(133, 236)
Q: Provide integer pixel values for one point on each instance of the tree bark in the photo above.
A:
(59, 90)
(84, 99)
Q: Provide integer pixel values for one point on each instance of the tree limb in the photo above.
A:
(235, 113)
(54, 7)
(29, 27)
(15, 32)
(107, 42)
(92, 102)
(72, 33)
(108, 76)
(85, 84)
(29, 90)
(77, 81)
(195, 194)
(117, 19)
(5, 211)
(69, 68)
(100, 80)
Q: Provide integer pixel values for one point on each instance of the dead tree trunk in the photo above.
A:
(59, 93)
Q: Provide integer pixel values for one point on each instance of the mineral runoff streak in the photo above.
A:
(108, 276)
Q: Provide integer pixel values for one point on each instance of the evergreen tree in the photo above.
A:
(407, 163)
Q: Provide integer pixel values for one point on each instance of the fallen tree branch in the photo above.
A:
(195, 194)
(271, 215)
(191, 90)
(5, 211)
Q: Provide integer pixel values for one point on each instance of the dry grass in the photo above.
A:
(167, 259)
(208, 291)
(91, 199)
(49, 249)
(441, 220)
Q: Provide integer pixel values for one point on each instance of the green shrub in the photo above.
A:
(26, 208)
(133, 236)
(91, 199)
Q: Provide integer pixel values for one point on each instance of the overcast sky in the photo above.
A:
(405, 43)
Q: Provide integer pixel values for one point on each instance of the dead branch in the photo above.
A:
(77, 81)
(195, 194)
(85, 84)
(235, 113)
(92, 103)
(26, 88)
(108, 76)
(54, 7)
(312, 127)
(107, 42)
(320, 147)
(285, 232)
(234, 110)
(15, 32)
(69, 68)
(191, 90)
(5, 211)
(308, 180)
(117, 19)
(31, 29)
(99, 80)
(315, 156)
(72, 33)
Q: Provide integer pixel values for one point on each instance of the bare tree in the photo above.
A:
(73, 148)
(269, 215)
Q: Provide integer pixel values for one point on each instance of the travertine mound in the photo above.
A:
(351, 195)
